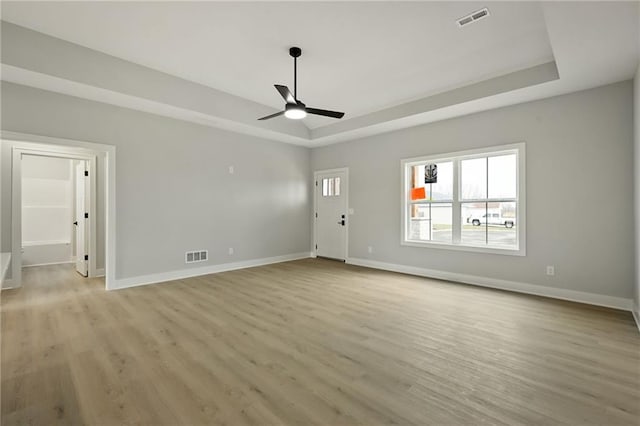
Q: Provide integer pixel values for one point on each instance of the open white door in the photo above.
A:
(331, 214)
(81, 218)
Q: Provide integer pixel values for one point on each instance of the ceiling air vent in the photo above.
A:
(473, 17)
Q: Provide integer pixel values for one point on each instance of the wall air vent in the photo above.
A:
(473, 17)
(196, 256)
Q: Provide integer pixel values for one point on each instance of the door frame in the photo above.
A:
(16, 211)
(64, 148)
(81, 165)
(345, 188)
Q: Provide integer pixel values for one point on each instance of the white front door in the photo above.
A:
(331, 214)
(81, 221)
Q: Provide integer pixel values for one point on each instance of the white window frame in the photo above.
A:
(456, 158)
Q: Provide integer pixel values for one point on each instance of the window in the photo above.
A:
(331, 187)
(472, 200)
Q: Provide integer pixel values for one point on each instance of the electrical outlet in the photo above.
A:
(231, 170)
(230, 250)
(551, 270)
(370, 249)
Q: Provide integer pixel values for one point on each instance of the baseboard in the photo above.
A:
(48, 264)
(636, 315)
(5, 262)
(7, 284)
(205, 270)
(99, 273)
(519, 287)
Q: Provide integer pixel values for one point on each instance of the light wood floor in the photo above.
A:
(310, 342)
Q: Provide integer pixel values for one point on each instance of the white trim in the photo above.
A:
(461, 247)
(99, 273)
(636, 314)
(45, 243)
(45, 207)
(8, 284)
(75, 149)
(48, 264)
(518, 287)
(456, 157)
(5, 261)
(205, 270)
(314, 241)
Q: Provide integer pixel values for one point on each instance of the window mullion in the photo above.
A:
(456, 205)
(486, 206)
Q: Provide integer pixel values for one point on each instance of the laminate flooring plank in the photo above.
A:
(309, 342)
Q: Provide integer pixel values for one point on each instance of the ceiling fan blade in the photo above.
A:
(285, 93)
(324, 112)
(272, 115)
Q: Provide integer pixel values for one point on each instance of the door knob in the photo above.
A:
(341, 222)
(75, 223)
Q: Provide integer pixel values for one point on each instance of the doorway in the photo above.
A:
(331, 213)
(55, 209)
(101, 232)
(49, 225)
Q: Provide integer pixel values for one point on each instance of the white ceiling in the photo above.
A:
(358, 57)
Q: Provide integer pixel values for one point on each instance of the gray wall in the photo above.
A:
(174, 192)
(579, 150)
(173, 189)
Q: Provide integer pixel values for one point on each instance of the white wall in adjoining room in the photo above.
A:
(174, 189)
(579, 178)
(47, 210)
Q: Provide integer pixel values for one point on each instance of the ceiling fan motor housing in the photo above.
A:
(298, 105)
(295, 52)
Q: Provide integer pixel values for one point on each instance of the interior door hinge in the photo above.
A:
(86, 215)
(316, 247)
(86, 172)
(316, 183)
(316, 214)
(86, 257)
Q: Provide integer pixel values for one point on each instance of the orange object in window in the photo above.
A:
(418, 193)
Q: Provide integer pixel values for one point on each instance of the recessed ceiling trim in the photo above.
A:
(62, 86)
(513, 81)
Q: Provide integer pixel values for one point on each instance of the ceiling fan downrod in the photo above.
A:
(295, 52)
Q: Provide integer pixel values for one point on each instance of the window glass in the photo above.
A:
(473, 224)
(443, 189)
(419, 222)
(470, 199)
(442, 222)
(331, 187)
(473, 178)
(502, 228)
(502, 176)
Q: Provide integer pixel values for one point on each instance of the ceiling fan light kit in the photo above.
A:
(294, 109)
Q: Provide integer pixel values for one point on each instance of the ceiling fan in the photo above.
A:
(293, 108)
